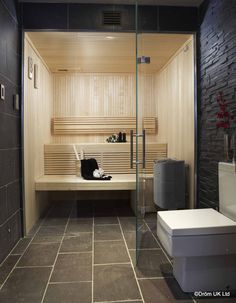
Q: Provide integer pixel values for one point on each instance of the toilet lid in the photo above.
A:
(195, 222)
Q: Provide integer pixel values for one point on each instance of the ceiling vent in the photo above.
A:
(111, 18)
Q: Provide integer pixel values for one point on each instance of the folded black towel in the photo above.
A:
(88, 166)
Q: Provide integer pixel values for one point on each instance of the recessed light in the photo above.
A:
(110, 37)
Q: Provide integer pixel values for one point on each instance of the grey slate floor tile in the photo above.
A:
(69, 292)
(82, 242)
(128, 223)
(110, 252)
(114, 283)
(76, 226)
(7, 266)
(105, 220)
(54, 221)
(147, 240)
(73, 268)
(152, 263)
(46, 239)
(25, 285)
(21, 246)
(107, 232)
(39, 255)
(51, 231)
(163, 291)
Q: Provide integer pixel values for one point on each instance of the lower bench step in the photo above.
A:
(70, 182)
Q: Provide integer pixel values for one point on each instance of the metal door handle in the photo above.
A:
(131, 149)
(144, 148)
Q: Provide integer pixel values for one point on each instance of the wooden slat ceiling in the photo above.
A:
(104, 52)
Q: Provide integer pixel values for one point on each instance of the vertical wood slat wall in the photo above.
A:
(104, 94)
(175, 107)
(37, 116)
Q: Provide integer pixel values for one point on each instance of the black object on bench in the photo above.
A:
(88, 166)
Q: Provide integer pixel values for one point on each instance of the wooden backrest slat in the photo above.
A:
(59, 159)
(99, 125)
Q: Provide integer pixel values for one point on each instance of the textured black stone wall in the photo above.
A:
(88, 17)
(217, 72)
(10, 150)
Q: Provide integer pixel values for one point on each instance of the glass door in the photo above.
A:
(142, 67)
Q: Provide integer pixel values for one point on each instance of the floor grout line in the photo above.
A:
(139, 288)
(75, 234)
(70, 282)
(129, 300)
(156, 278)
(159, 245)
(45, 243)
(158, 248)
(49, 278)
(21, 254)
(75, 252)
(118, 263)
(108, 224)
(120, 240)
(35, 266)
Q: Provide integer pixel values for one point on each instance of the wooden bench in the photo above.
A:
(114, 158)
(67, 183)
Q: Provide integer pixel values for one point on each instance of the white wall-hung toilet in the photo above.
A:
(202, 242)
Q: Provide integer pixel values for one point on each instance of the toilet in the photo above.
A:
(202, 242)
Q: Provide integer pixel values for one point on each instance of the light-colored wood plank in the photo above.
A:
(100, 95)
(68, 183)
(114, 158)
(94, 52)
(99, 125)
(175, 108)
(37, 116)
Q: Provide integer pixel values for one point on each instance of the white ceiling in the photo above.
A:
(143, 2)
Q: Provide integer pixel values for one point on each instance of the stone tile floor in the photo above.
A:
(85, 252)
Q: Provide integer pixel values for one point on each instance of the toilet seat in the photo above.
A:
(198, 232)
(195, 222)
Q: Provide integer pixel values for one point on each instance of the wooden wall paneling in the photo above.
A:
(175, 108)
(37, 116)
(99, 94)
(114, 158)
(99, 125)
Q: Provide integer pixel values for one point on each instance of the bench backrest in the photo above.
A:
(114, 158)
(99, 125)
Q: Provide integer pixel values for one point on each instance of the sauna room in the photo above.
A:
(83, 92)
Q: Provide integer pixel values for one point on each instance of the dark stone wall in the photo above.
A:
(217, 72)
(89, 17)
(10, 142)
